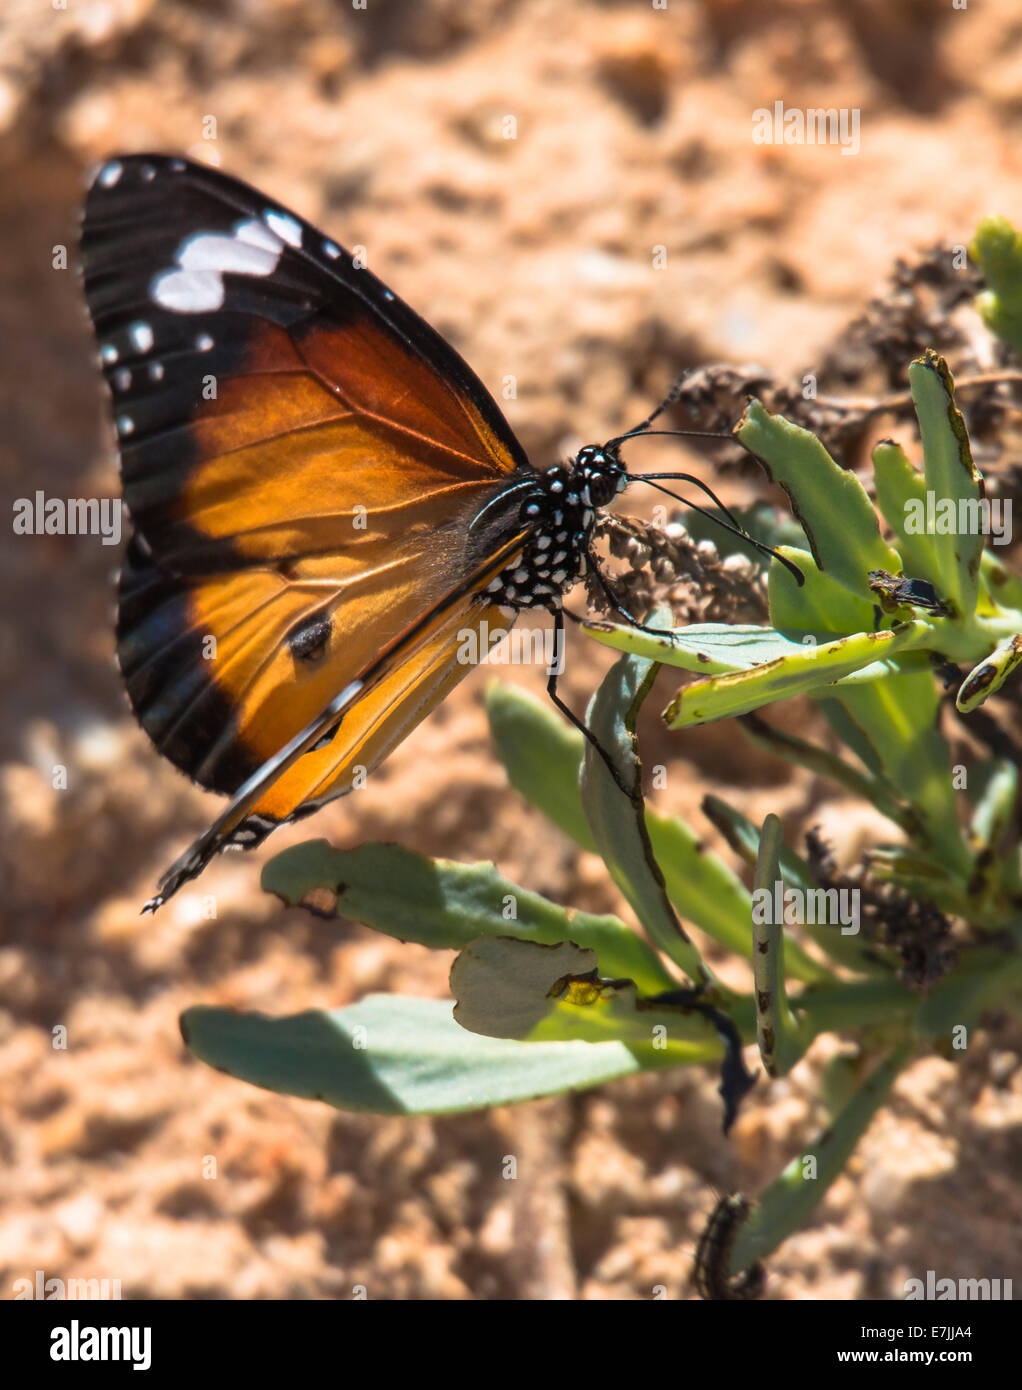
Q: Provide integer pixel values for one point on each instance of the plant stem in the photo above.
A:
(785, 1206)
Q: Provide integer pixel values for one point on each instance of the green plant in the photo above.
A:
(549, 999)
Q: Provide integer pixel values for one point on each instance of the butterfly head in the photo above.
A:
(600, 473)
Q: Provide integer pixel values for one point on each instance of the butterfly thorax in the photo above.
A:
(559, 511)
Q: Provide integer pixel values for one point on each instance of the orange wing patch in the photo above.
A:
(382, 718)
(291, 461)
(357, 729)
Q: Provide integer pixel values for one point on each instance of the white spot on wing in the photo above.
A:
(285, 227)
(155, 371)
(108, 353)
(141, 336)
(125, 424)
(204, 342)
(110, 173)
(196, 284)
(332, 249)
(188, 291)
(122, 378)
(256, 233)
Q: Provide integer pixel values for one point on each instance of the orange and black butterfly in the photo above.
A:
(323, 496)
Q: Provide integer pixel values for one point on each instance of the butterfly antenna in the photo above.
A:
(679, 434)
(673, 395)
(731, 524)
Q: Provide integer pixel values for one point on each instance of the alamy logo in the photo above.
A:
(519, 646)
(959, 516)
(939, 1290)
(84, 1343)
(813, 126)
(72, 516)
(807, 906)
(71, 1289)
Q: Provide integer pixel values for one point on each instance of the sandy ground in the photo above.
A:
(538, 256)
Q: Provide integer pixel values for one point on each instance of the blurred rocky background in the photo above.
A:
(570, 191)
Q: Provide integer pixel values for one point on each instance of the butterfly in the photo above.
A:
(323, 496)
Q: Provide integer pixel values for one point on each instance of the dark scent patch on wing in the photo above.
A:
(308, 640)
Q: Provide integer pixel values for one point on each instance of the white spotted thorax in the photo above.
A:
(560, 512)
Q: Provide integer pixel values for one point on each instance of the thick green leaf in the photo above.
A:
(901, 496)
(786, 1205)
(997, 248)
(506, 988)
(952, 478)
(445, 905)
(618, 821)
(390, 1055)
(898, 719)
(987, 678)
(542, 755)
(709, 649)
(829, 502)
(820, 605)
(809, 668)
(699, 884)
(777, 1029)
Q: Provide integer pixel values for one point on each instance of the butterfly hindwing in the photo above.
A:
(360, 726)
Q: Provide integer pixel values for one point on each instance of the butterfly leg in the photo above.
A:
(617, 606)
(551, 689)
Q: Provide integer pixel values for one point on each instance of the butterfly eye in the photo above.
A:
(602, 488)
(600, 472)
